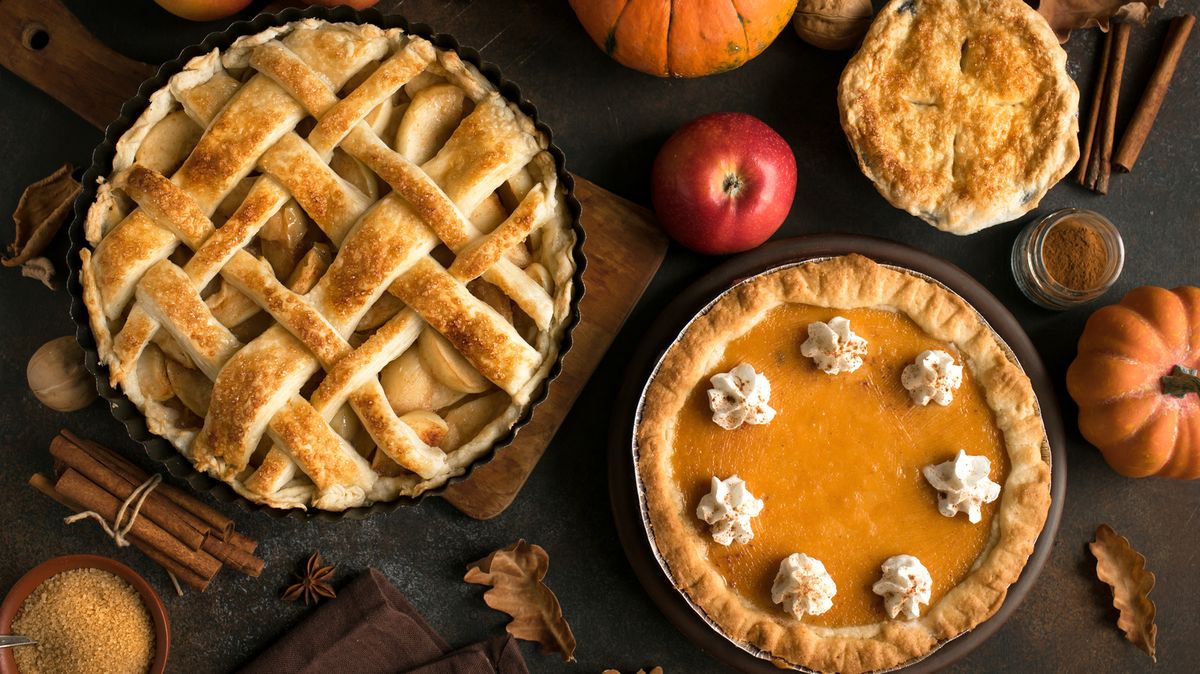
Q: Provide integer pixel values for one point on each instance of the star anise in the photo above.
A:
(314, 584)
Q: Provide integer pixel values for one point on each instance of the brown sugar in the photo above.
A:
(84, 620)
(1074, 255)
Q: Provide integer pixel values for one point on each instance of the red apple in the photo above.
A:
(203, 10)
(723, 183)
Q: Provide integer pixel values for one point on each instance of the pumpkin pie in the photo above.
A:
(842, 464)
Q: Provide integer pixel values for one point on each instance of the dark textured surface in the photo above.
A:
(610, 121)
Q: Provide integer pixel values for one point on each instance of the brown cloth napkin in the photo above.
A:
(372, 629)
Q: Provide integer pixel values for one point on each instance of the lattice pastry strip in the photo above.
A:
(251, 117)
(384, 427)
(470, 176)
(299, 317)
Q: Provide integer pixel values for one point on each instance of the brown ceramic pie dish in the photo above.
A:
(21, 590)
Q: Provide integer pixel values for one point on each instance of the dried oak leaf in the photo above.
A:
(41, 210)
(515, 574)
(40, 268)
(1124, 570)
(1067, 15)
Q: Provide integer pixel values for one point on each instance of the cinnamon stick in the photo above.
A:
(1089, 135)
(185, 575)
(242, 542)
(235, 557)
(77, 488)
(184, 536)
(220, 525)
(178, 505)
(211, 519)
(1112, 93)
(1156, 90)
(120, 484)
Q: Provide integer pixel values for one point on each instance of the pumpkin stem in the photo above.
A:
(1181, 381)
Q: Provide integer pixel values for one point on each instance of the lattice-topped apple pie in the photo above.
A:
(331, 265)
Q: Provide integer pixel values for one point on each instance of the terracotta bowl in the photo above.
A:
(25, 586)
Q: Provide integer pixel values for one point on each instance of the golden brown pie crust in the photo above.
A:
(378, 340)
(961, 111)
(846, 283)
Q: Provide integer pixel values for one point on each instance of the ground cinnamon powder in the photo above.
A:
(1075, 255)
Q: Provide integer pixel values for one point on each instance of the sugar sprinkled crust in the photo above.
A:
(170, 270)
(961, 111)
(847, 283)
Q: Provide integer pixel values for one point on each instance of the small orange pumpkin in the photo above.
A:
(1136, 385)
(683, 38)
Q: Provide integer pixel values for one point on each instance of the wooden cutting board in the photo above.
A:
(43, 43)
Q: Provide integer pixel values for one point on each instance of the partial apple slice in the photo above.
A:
(171, 348)
(421, 82)
(493, 296)
(168, 143)
(152, 375)
(448, 365)
(431, 118)
(466, 420)
(192, 387)
(354, 172)
(310, 269)
(384, 308)
(489, 214)
(410, 386)
(428, 426)
(232, 201)
(281, 238)
(345, 423)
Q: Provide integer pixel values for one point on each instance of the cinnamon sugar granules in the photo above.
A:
(84, 620)
(1074, 255)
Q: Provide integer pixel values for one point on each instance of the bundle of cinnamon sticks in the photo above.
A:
(1097, 158)
(183, 535)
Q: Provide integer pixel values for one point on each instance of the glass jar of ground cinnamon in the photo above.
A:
(1067, 258)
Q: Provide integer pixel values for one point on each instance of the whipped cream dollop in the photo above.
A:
(740, 397)
(963, 485)
(833, 346)
(904, 586)
(803, 586)
(728, 509)
(933, 376)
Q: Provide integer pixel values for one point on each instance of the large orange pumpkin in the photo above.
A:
(683, 38)
(1136, 385)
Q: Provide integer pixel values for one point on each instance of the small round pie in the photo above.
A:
(839, 469)
(961, 111)
(332, 264)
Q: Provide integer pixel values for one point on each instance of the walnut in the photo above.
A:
(57, 377)
(832, 24)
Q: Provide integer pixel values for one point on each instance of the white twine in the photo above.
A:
(118, 530)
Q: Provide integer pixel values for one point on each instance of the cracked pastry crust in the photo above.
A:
(961, 111)
(331, 264)
(845, 283)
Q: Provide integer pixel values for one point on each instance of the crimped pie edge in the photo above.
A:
(847, 282)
